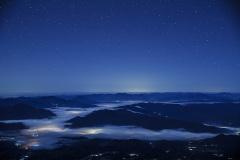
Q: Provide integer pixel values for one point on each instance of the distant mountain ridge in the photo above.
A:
(44, 102)
(89, 100)
(165, 97)
(85, 99)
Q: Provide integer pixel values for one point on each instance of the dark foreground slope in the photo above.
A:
(9, 151)
(217, 113)
(124, 118)
(23, 111)
(210, 149)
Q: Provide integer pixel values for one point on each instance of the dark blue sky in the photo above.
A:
(119, 46)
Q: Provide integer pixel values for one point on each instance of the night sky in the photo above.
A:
(119, 46)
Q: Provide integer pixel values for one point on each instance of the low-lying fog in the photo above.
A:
(45, 133)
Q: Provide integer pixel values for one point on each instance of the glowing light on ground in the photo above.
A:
(50, 128)
(74, 112)
(106, 105)
(91, 131)
(31, 143)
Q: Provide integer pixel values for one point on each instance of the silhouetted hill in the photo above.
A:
(9, 102)
(217, 113)
(44, 102)
(124, 118)
(223, 140)
(23, 111)
(11, 126)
